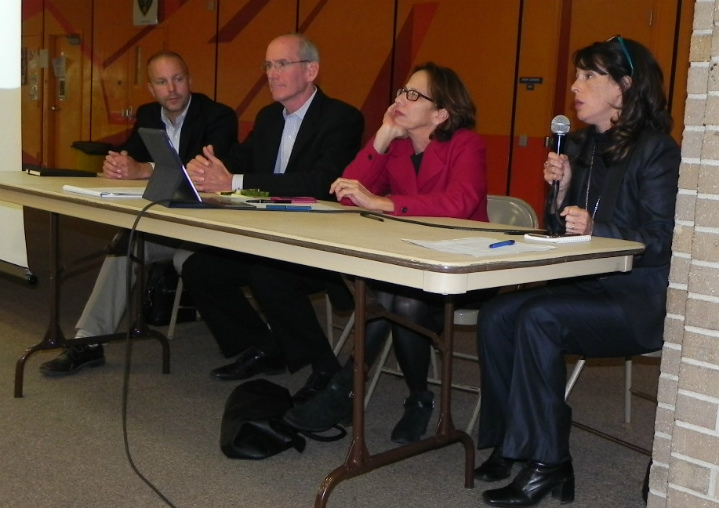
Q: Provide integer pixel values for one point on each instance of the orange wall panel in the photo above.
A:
(535, 102)
(478, 40)
(191, 31)
(355, 42)
(245, 28)
(367, 49)
(120, 57)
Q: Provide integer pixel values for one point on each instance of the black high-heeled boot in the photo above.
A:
(532, 483)
(495, 468)
(417, 412)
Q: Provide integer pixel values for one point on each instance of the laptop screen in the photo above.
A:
(170, 184)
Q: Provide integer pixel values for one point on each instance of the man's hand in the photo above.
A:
(208, 173)
(120, 166)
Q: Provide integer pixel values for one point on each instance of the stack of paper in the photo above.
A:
(106, 192)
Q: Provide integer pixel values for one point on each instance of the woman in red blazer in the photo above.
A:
(424, 160)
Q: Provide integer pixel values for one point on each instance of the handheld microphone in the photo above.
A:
(559, 127)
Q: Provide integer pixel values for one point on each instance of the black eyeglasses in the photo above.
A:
(628, 56)
(280, 65)
(412, 95)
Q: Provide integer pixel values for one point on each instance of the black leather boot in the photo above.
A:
(532, 483)
(413, 424)
(495, 468)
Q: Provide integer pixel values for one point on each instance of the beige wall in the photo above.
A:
(685, 473)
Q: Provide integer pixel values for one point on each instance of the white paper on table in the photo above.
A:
(106, 192)
(479, 246)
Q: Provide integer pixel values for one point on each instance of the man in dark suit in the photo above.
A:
(299, 145)
(191, 120)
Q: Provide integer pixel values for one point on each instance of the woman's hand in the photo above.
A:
(388, 131)
(578, 221)
(558, 169)
(359, 195)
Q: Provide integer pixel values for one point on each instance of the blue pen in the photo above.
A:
(505, 243)
(289, 208)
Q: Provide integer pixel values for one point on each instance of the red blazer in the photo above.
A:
(452, 180)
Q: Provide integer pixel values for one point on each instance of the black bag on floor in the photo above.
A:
(252, 427)
(160, 288)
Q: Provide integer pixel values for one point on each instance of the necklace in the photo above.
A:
(589, 183)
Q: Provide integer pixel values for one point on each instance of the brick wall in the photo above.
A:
(685, 473)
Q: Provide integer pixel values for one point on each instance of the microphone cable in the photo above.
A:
(368, 214)
(381, 217)
(128, 350)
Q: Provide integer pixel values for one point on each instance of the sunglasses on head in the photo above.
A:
(625, 50)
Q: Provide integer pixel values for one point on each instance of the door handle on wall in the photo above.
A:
(54, 108)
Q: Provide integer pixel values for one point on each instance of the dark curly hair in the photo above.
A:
(644, 103)
(448, 92)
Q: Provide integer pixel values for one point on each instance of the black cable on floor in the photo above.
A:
(128, 355)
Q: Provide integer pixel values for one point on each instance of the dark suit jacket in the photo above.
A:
(328, 139)
(637, 203)
(207, 123)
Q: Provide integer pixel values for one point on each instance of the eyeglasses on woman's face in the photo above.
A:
(412, 95)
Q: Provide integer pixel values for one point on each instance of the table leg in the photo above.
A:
(359, 460)
(54, 338)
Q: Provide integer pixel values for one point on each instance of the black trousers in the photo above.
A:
(214, 279)
(282, 290)
(522, 338)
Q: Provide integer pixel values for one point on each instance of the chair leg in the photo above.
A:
(433, 363)
(574, 376)
(175, 309)
(330, 327)
(349, 326)
(628, 389)
(378, 370)
(475, 414)
(328, 320)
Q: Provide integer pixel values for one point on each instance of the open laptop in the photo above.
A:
(170, 184)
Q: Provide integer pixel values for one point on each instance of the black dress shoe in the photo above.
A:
(73, 359)
(252, 361)
(495, 468)
(413, 424)
(532, 483)
(317, 382)
(327, 408)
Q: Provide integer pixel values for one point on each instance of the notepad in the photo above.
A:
(33, 169)
(478, 246)
(534, 237)
(106, 192)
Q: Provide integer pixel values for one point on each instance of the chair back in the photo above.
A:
(511, 211)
